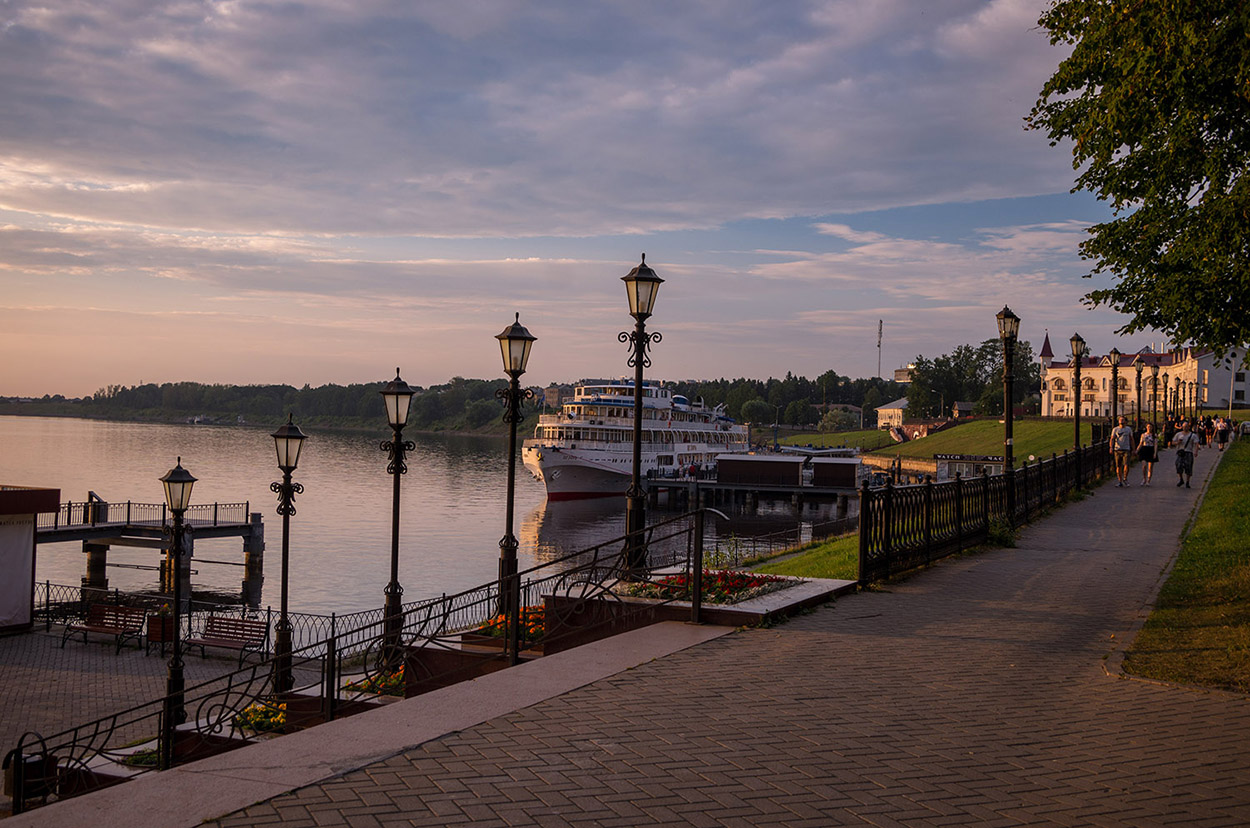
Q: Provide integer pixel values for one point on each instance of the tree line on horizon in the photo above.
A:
(830, 402)
(457, 405)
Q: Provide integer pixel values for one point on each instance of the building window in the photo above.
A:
(1206, 377)
(1239, 395)
(1240, 376)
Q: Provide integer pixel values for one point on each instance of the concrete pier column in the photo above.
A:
(254, 561)
(843, 501)
(95, 584)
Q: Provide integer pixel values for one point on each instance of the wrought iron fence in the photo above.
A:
(903, 527)
(585, 595)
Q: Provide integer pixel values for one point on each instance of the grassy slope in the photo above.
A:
(1199, 631)
(838, 558)
(868, 439)
(1039, 438)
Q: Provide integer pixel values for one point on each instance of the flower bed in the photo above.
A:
(262, 718)
(533, 625)
(384, 684)
(720, 586)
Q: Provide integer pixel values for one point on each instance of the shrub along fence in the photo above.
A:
(903, 527)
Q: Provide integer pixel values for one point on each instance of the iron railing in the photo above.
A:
(443, 640)
(94, 512)
(903, 527)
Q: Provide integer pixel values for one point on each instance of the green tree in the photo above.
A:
(1155, 98)
(757, 412)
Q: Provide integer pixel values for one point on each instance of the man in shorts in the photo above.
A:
(1186, 443)
(1121, 445)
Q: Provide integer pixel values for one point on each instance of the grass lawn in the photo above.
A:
(837, 558)
(1199, 631)
(867, 439)
(1039, 438)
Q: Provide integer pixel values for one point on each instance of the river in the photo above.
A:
(452, 513)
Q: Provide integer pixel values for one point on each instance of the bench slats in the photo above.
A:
(109, 619)
(242, 634)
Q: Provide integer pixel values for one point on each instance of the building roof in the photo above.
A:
(1046, 352)
(900, 403)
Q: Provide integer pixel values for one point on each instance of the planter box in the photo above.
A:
(160, 631)
(473, 639)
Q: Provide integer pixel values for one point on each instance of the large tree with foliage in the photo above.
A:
(1155, 99)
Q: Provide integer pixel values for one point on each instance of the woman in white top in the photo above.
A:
(1148, 453)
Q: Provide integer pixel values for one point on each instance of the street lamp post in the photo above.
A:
(398, 398)
(642, 285)
(1154, 396)
(776, 426)
(178, 483)
(1114, 358)
(514, 343)
(1167, 392)
(1078, 354)
(288, 440)
(1137, 367)
(1008, 329)
(1176, 394)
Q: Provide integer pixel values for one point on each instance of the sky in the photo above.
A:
(318, 191)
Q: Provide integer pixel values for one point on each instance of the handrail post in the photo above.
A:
(985, 499)
(959, 511)
(696, 575)
(887, 527)
(928, 519)
(865, 529)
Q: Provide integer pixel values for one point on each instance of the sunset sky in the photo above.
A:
(318, 191)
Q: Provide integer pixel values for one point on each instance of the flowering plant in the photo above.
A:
(533, 625)
(720, 586)
(262, 717)
(384, 684)
(163, 610)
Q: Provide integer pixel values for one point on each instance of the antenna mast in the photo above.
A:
(879, 324)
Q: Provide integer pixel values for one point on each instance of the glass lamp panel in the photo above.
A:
(178, 484)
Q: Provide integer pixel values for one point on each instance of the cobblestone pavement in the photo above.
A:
(47, 690)
(976, 692)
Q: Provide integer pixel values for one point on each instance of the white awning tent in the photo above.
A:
(19, 507)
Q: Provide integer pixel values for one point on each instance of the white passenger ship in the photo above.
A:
(587, 449)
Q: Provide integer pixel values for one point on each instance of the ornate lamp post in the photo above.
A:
(1137, 366)
(288, 440)
(1176, 394)
(1114, 358)
(642, 285)
(1008, 329)
(178, 483)
(398, 398)
(1154, 396)
(514, 343)
(1078, 354)
(1167, 391)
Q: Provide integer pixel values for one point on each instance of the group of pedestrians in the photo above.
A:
(1186, 440)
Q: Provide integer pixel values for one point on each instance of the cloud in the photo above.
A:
(488, 118)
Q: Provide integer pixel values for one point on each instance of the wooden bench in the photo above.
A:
(243, 634)
(109, 619)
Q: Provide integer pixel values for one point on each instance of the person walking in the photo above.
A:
(1148, 453)
(1121, 445)
(1221, 432)
(1186, 443)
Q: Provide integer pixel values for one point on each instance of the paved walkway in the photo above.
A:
(982, 691)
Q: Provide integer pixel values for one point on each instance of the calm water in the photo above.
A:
(452, 514)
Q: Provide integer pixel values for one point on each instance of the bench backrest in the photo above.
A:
(112, 615)
(235, 629)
